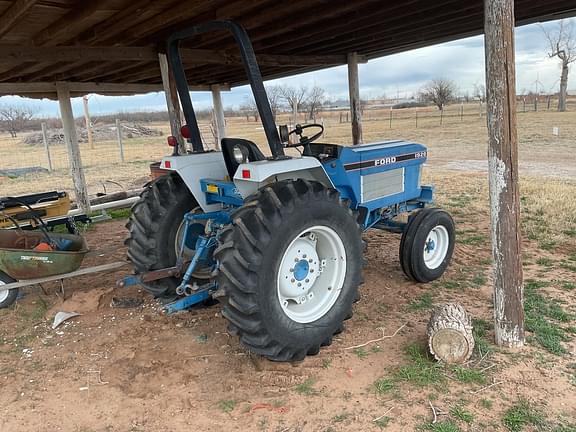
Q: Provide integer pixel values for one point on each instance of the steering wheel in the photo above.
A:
(304, 140)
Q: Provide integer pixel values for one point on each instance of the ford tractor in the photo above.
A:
(278, 240)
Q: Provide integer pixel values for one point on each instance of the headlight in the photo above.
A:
(239, 155)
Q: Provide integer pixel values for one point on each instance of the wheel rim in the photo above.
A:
(436, 247)
(201, 273)
(3, 294)
(311, 274)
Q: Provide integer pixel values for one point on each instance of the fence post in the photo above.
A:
(442, 115)
(416, 117)
(46, 146)
(120, 143)
(390, 117)
(462, 111)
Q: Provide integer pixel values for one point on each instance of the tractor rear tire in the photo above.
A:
(427, 245)
(262, 281)
(153, 226)
(7, 298)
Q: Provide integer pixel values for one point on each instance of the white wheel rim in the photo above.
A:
(3, 294)
(436, 247)
(311, 274)
(201, 273)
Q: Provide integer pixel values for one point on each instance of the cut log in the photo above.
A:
(450, 336)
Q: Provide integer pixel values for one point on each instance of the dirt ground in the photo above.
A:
(138, 370)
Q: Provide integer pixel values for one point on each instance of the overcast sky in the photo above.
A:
(396, 75)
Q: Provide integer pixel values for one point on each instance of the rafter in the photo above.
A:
(13, 14)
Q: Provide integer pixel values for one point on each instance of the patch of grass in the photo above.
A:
(382, 422)
(473, 240)
(568, 286)
(120, 213)
(479, 331)
(376, 348)
(442, 426)
(383, 385)
(306, 388)
(568, 266)
(547, 245)
(478, 280)
(340, 417)
(227, 405)
(360, 353)
(570, 232)
(543, 316)
(326, 363)
(486, 403)
(203, 338)
(423, 302)
(460, 413)
(469, 376)
(421, 371)
(521, 415)
(545, 261)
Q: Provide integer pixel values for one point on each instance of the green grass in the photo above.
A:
(486, 403)
(360, 353)
(424, 302)
(227, 405)
(119, 213)
(340, 417)
(306, 388)
(383, 386)
(421, 371)
(441, 426)
(547, 245)
(382, 422)
(460, 413)
(480, 331)
(517, 417)
(326, 363)
(469, 376)
(568, 286)
(543, 318)
(478, 280)
(545, 261)
(473, 240)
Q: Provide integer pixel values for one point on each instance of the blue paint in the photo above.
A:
(227, 192)
(301, 270)
(430, 246)
(204, 293)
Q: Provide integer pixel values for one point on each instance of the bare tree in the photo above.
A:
(480, 92)
(14, 118)
(314, 101)
(439, 91)
(249, 109)
(274, 98)
(294, 98)
(562, 44)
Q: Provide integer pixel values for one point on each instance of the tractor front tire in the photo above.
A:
(289, 267)
(153, 227)
(427, 245)
(7, 297)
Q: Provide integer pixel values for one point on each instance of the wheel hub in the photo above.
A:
(436, 247)
(300, 270)
(311, 274)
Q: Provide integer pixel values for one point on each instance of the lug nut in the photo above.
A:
(304, 256)
(292, 280)
(310, 260)
(311, 270)
(291, 270)
(299, 284)
(307, 280)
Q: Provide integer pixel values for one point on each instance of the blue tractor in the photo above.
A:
(278, 240)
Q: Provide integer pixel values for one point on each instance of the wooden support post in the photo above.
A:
(46, 146)
(71, 140)
(88, 122)
(172, 102)
(218, 115)
(120, 143)
(354, 89)
(503, 172)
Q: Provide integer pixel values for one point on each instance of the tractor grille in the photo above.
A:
(382, 184)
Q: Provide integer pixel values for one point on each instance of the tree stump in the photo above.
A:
(450, 336)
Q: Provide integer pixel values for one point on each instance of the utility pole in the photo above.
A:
(88, 122)
(503, 172)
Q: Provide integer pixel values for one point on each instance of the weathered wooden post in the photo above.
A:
(218, 115)
(88, 122)
(354, 90)
(46, 146)
(172, 101)
(503, 172)
(72, 146)
(119, 136)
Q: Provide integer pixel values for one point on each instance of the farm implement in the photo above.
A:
(278, 239)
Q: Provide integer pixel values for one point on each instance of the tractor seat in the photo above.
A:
(249, 148)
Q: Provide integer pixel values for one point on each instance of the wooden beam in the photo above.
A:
(172, 102)
(218, 115)
(503, 172)
(15, 88)
(13, 14)
(17, 54)
(71, 140)
(355, 102)
(67, 24)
